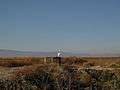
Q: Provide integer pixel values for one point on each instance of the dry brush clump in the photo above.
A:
(115, 65)
(20, 61)
(74, 60)
(68, 76)
(54, 77)
(14, 63)
(104, 79)
(88, 64)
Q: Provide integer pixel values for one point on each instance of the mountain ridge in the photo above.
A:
(14, 53)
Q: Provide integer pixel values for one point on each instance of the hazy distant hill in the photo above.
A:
(30, 53)
(24, 53)
(11, 53)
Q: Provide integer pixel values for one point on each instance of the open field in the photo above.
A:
(73, 73)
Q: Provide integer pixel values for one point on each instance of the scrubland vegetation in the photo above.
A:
(74, 73)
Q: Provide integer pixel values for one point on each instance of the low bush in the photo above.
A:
(14, 63)
(115, 66)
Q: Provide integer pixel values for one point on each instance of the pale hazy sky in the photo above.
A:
(71, 25)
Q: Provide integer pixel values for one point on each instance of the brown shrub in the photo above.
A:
(74, 60)
(88, 64)
(14, 63)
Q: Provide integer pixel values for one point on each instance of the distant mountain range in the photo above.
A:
(14, 53)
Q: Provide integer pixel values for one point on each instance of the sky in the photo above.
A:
(70, 25)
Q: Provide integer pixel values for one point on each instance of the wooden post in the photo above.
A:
(44, 59)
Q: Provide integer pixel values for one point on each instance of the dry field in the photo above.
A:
(74, 73)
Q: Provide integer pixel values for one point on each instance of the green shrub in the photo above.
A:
(115, 66)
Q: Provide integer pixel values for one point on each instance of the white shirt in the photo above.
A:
(59, 54)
